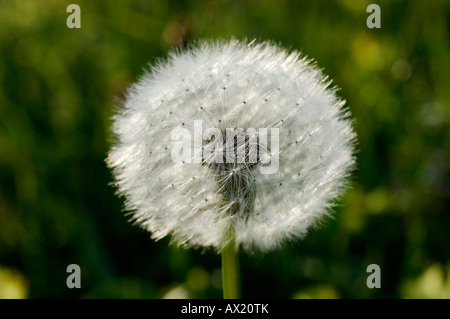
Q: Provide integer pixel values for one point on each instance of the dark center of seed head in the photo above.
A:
(236, 154)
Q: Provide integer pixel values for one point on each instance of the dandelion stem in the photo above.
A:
(230, 266)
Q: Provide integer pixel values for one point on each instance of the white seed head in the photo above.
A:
(232, 84)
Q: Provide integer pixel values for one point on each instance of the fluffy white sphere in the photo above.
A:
(232, 84)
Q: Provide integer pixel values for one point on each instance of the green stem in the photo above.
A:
(230, 269)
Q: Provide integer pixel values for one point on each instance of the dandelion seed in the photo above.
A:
(198, 203)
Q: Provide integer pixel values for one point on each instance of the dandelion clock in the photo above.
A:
(231, 146)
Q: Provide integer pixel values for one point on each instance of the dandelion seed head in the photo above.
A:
(232, 84)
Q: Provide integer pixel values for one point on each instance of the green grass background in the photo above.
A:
(58, 90)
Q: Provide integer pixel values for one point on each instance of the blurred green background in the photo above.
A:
(59, 88)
